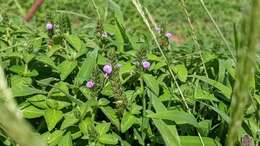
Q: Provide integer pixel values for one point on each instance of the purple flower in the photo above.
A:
(146, 64)
(107, 69)
(49, 26)
(168, 35)
(90, 84)
(246, 140)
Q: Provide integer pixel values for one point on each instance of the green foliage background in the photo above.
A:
(47, 73)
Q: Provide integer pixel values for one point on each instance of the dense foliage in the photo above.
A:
(102, 80)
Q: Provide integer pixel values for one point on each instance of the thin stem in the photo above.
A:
(139, 8)
(141, 12)
(73, 13)
(95, 6)
(194, 36)
(245, 74)
(218, 29)
(144, 106)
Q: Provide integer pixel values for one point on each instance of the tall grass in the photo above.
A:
(141, 12)
(218, 29)
(11, 120)
(245, 74)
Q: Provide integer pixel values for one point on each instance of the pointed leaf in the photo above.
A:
(170, 135)
(66, 140)
(179, 117)
(74, 41)
(69, 120)
(66, 67)
(127, 121)
(111, 115)
(152, 83)
(108, 139)
(52, 117)
(87, 67)
(31, 112)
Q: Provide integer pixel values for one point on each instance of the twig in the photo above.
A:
(33, 10)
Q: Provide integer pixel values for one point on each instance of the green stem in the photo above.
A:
(144, 106)
(194, 36)
(218, 29)
(245, 74)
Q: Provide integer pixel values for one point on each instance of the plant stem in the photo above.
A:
(139, 9)
(245, 74)
(194, 36)
(218, 29)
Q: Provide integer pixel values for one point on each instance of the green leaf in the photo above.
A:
(66, 140)
(108, 139)
(85, 125)
(169, 135)
(38, 101)
(181, 72)
(102, 128)
(66, 67)
(127, 122)
(52, 117)
(111, 115)
(53, 138)
(22, 70)
(157, 104)
(117, 11)
(224, 89)
(74, 41)
(69, 120)
(59, 86)
(195, 141)
(103, 101)
(25, 90)
(119, 40)
(201, 94)
(87, 67)
(46, 60)
(179, 117)
(31, 112)
(152, 83)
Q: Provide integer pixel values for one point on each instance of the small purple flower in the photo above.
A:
(168, 35)
(146, 64)
(49, 26)
(107, 69)
(246, 140)
(90, 84)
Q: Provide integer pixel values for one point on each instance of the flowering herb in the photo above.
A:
(90, 84)
(49, 26)
(107, 69)
(146, 64)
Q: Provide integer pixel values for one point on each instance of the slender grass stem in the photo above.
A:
(194, 36)
(245, 74)
(141, 12)
(218, 29)
(95, 6)
(73, 13)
